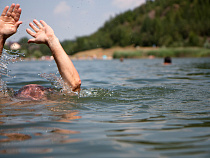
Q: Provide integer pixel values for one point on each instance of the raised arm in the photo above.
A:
(9, 23)
(44, 34)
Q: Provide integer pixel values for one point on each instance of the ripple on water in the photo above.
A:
(162, 118)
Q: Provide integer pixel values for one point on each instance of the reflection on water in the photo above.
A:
(135, 108)
(14, 137)
(26, 118)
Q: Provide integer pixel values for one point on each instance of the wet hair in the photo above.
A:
(167, 60)
(31, 91)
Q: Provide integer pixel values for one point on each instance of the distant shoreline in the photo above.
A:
(141, 52)
(134, 52)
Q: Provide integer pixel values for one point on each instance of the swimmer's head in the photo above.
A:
(31, 92)
(167, 60)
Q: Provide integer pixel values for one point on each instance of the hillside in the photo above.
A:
(169, 23)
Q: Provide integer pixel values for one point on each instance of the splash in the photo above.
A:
(3, 86)
(7, 57)
(57, 82)
(10, 56)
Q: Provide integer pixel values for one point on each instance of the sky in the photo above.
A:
(69, 18)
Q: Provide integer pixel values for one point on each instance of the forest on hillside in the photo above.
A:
(162, 23)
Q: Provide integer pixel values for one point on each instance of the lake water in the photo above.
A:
(135, 108)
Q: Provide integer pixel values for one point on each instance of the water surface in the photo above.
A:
(135, 108)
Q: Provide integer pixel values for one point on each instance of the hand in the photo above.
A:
(43, 32)
(9, 20)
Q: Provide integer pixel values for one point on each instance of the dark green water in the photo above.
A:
(135, 108)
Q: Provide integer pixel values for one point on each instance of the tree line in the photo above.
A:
(168, 23)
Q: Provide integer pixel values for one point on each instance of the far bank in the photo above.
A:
(141, 52)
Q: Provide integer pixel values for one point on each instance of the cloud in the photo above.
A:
(127, 4)
(62, 8)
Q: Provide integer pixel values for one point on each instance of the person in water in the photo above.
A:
(42, 34)
(167, 61)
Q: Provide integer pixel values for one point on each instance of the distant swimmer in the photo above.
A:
(43, 34)
(167, 61)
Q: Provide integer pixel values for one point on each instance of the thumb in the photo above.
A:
(18, 23)
(31, 40)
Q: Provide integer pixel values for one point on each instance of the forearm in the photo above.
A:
(65, 66)
(2, 41)
(43, 33)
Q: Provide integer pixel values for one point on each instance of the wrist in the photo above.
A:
(52, 39)
(2, 40)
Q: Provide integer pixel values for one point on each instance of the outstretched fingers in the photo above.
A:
(5, 11)
(13, 11)
(16, 12)
(33, 34)
(16, 8)
(17, 15)
(17, 24)
(9, 13)
(10, 20)
(38, 24)
(32, 40)
(13, 14)
(43, 23)
(33, 27)
(40, 31)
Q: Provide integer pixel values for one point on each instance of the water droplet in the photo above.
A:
(7, 57)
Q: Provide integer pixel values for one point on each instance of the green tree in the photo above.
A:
(37, 54)
(193, 39)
